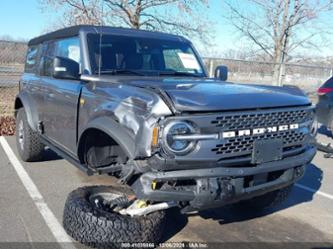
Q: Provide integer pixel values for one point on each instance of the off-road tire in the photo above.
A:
(32, 148)
(266, 201)
(94, 227)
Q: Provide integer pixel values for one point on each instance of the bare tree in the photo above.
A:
(280, 27)
(176, 16)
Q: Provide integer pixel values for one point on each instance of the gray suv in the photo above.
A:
(139, 106)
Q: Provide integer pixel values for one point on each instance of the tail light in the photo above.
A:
(324, 90)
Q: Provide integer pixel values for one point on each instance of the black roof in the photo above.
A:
(75, 30)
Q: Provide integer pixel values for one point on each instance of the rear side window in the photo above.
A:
(31, 59)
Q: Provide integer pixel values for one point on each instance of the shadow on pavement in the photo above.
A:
(175, 223)
(230, 214)
(313, 177)
(50, 155)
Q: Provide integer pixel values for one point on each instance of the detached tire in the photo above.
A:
(92, 226)
(266, 201)
(29, 145)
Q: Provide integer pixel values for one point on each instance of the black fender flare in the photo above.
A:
(30, 109)
(112, 129)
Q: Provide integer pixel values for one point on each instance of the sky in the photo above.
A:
(21, 19)
(24, 19)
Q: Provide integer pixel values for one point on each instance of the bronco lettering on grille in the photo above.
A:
(259, 131)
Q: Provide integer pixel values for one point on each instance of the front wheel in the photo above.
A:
(29, 145)
(90, 218)
(266, 201)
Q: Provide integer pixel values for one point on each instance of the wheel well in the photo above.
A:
(98, 149)
(18, 105)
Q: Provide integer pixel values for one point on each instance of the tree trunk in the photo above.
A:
(277, 65)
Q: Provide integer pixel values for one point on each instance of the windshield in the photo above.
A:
(142, 56)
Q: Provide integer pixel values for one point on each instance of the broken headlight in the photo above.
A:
(175, 137)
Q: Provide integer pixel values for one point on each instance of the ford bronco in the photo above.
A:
(139, 106)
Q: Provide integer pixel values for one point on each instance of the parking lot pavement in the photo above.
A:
(305, 217)
(19, 219)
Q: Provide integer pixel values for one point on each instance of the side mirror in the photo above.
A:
(221, 73)
(65, 68)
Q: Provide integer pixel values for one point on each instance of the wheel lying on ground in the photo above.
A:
(90, 218)
(29, 145)
(265, 201)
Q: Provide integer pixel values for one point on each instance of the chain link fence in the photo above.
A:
(307, 77)
(12, 56)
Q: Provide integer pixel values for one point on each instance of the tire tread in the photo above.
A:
(33, 147)
(95, 228)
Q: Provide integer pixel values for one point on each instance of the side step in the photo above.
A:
(68, 157)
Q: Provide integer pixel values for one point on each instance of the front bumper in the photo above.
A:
(222, 185)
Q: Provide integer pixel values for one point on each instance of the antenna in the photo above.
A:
(100, 40)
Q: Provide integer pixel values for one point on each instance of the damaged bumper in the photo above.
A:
(213, 187)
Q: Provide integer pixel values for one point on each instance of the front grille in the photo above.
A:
(245, 144)
(240, 146)
(255, 120)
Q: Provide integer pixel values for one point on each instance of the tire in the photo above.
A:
(266, 201)
(94, 227)
(29, 145)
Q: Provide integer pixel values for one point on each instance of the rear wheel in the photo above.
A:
(266, 201)
(91, 217)
(29, 145)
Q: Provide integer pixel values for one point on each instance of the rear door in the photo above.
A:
(61, 96)
(30, 81)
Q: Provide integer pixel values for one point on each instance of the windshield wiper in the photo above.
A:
(176, 73)
(120, 71)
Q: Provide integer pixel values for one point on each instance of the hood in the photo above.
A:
(213, 95)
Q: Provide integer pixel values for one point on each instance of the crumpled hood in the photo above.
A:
(222, 96)
(213, 95)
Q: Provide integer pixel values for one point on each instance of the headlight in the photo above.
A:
(174, 144)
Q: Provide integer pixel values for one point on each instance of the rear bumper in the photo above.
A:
(221, 185)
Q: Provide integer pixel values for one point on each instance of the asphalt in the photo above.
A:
(304, 217)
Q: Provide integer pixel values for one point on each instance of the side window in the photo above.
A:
(46, 61)
(69, 48)
(31, 59)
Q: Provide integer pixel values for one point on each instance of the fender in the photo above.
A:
(115, 131)
(29, 107)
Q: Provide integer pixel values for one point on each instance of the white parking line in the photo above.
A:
(317, 192)
(48, 216)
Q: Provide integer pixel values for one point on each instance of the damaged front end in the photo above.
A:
(210, 160)
(202, 160)
(206, 188)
